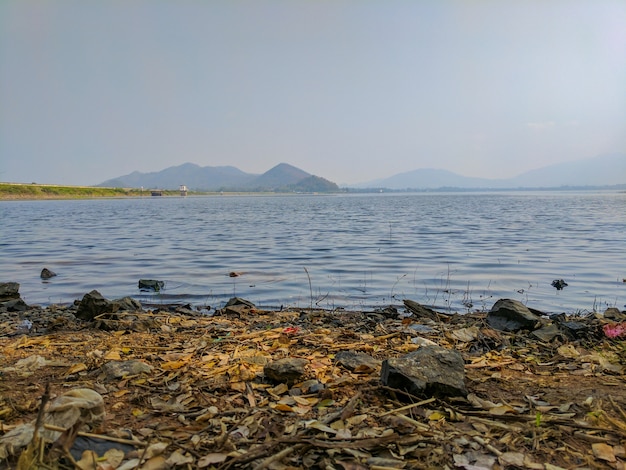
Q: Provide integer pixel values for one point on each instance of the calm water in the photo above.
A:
(452, 251)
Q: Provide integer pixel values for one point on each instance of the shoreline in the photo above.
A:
(245, 387)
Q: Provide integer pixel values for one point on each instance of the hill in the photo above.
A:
(283, 177)
(604, 170)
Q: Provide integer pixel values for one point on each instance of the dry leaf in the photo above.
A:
(212, 458)
(603, 451)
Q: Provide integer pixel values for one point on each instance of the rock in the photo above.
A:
(237, 306)
(118, 369)
(559, 284)
(357, 361)
(9, 290)
(613, 313)
(239, 301)
(547, 333)
(151, 284)
(419, 310)
(14, 305)
(47, 274)
(429, 371)
(286, 370)
(92, 305)
(512, 315)
(126, 303)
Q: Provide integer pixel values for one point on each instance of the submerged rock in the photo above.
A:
(151, 284)
(47, 274)
(430, 371)
(512, 315)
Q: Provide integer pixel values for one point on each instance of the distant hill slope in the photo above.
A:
(599, 171)
(282, 177)
(604, 170)
(193, 176)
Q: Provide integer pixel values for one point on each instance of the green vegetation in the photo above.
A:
(44, 191)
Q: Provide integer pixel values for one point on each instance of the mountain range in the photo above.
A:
(604, 170)
(281, 178)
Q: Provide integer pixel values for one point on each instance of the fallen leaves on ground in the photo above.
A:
(189, 391)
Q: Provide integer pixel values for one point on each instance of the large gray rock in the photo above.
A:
(511, 315)
(9, 290)
(429, 371)
(286, 370)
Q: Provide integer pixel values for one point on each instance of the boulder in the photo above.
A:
(429, 371)
(9, 290)
(286, 370)
(512, 315)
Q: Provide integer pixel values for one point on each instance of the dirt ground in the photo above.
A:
(200, 398)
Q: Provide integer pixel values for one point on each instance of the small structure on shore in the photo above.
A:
(183, 190)
(157, 192)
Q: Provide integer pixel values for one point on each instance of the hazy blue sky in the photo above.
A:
(347, 90)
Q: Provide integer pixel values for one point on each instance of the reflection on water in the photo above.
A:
(457, 251)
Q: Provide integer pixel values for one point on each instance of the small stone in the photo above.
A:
(118, 369)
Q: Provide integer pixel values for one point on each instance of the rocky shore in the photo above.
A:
(111, 384)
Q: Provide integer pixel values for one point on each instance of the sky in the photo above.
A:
(349, 90)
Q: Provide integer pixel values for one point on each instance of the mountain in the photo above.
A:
(429, 178)
(282, 177)
(604, 170)
(282, 174)
(599, 171)
(189, 174)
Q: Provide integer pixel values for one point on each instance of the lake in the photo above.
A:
(453, 251)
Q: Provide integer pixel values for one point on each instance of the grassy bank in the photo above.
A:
(45, 191)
